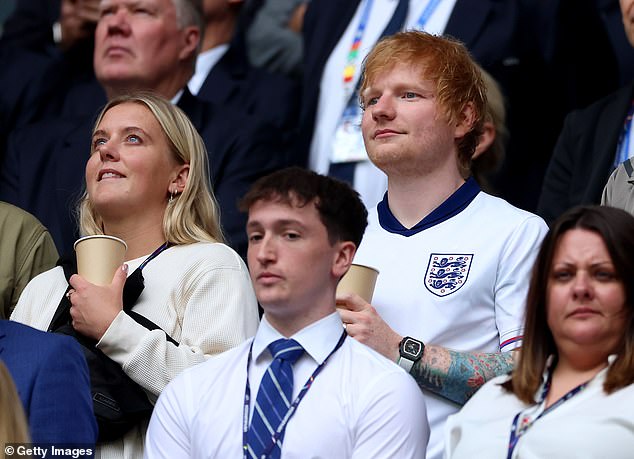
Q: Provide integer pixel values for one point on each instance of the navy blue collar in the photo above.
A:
(452, 206)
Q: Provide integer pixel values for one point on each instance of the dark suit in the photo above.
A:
(610, 13)
(19, 69)
(517, 42)
(30, 25)
(33, 69)
(233, 81)
(43, 172)
(51, 376)
(583, 157)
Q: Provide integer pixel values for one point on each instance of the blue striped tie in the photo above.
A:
(273, 399)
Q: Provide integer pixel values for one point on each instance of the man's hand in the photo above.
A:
(365, 325)
(78, 19)
(95, 307)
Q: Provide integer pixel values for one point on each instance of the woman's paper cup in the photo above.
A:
(98, 257)
(359, 279)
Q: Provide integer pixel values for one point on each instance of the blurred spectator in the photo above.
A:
(27, 250)
(53, 28)
(45, 50)
(619, 191)
(224, 75)
(610, 13)
(30, 25)
(274, 39)
(44, 167)
(592, 143)
(490, 151)
(51, 377)
(13, 425)
(19, 68)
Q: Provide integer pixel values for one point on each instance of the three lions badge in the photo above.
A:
(447, 273)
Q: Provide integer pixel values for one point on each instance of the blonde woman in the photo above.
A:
(147, 183)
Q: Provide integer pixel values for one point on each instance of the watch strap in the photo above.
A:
(406, 364)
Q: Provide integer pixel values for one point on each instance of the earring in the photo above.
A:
(171, 196)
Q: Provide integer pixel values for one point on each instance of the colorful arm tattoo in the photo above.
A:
(455, 375)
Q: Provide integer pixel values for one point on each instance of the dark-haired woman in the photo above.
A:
(570, 394)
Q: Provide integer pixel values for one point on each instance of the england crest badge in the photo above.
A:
(447, 273)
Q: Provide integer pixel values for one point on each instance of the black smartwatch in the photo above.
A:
(411, 351)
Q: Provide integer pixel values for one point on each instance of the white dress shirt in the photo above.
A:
(360, 406)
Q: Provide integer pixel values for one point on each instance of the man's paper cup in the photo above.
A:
(98, 257)
(359, 279)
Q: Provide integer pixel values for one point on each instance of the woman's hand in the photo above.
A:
(366, 325)
(94, 307)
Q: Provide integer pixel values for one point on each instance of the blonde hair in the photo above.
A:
(193, 216)
(13, 425)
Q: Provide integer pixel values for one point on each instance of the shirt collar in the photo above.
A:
(204, 63)
(317, 339)
(452, 206)
(177, 97)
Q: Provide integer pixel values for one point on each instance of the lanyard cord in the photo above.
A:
(153, 255)
(291, 409)
(519, 428)
(350, 68)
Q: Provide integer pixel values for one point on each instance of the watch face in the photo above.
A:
(411, 347)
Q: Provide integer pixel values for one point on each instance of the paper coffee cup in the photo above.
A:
(98, 257)
(359, 279)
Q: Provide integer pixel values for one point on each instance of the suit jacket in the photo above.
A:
(584, 155)
(52, 379)
(43, 171)
(233, 81)
(30, 25)
(531, 47)
(33, 69)
(19, 70)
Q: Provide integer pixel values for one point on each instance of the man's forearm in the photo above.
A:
(458, 375)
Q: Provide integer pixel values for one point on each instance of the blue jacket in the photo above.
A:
(51, 376)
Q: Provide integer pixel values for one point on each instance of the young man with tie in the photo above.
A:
(301, 388)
